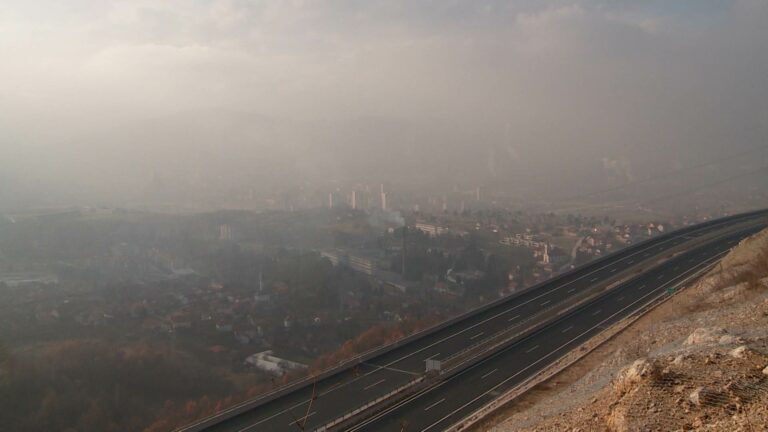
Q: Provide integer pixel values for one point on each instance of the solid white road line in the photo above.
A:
(697, 267)
(477, 336)
(297, 421)
(545, 356)
(514, 318)
(565, 330)
(546, 302)
(531, 349)
(248, 428)
(390, 369)
(571, 290)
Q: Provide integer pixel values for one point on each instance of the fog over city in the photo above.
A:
(102, 101)
(383, 215)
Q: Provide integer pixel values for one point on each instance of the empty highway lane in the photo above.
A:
(318, 403)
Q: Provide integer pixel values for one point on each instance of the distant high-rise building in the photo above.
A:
(225, 232)
(330, 200)
(358, 200)
(383, 196)
(477, 194)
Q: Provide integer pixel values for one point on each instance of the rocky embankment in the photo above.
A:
(697, 362)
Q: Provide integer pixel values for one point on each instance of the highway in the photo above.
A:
(342, 392)
(451, 400)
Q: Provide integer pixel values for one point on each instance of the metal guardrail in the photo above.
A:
(502, 338)
(507, 335)
(344, 365)
(582, 350)
(363, 408)
(491, 344)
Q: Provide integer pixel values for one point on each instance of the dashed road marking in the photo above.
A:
(488, 374)
(375, 384)
(434, 404)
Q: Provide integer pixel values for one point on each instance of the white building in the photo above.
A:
(274, 365)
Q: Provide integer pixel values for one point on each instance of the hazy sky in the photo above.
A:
(616, 78)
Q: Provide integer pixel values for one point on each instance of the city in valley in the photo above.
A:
(383, 215)
(196, 311)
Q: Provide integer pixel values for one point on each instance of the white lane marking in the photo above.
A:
(250, 427)
(641, 287)
(631, 262)
(545, 302)
(435, 404)
(660, 277)
(459, 409)
(375, 384)
(697, 270)
(297, 421)
(477, 336)
(565, 330)
(572, 290)
(594, 279)
(613, 270)
(387, 368)
(514, 318)
(488, 374)
(596, 312)
(620, 298)
(532, 349)
(432, 357)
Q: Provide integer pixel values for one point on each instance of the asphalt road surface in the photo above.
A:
(448, 402)
(349, 389)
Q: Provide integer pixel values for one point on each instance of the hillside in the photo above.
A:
(698, 362)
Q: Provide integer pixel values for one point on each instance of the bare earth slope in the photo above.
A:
(697, 362)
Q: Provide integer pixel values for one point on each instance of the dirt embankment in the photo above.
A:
(697, 362)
